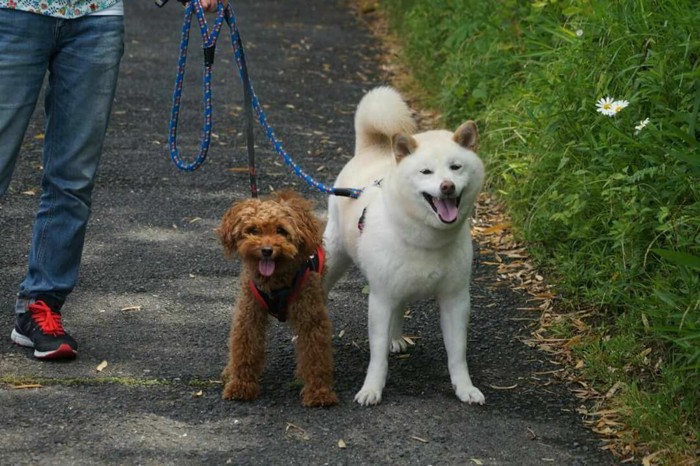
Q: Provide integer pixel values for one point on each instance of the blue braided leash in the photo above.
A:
(209, 44)
(251, 100)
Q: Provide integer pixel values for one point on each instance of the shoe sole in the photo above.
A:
(62, 352)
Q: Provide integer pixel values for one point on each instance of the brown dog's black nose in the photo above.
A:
(447, 188)
(266, 252)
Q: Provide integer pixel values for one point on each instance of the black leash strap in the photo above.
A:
(247, 104)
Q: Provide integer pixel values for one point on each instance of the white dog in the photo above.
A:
(409, 230)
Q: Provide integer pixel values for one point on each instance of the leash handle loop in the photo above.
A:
(209, 37)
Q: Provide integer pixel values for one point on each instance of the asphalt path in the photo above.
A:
(156, 293)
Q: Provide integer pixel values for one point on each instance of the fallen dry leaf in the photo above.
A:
(420, 439)
(532, 433)
(301, 433)
(495, 387)
(131, 308)
(101, 366)
(614, 389)
(495, 229)
(648, 460)
(27, 386)
(341, 444)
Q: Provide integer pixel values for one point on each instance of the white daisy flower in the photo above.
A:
(579, 32)
(642, 124)
(605, 106)
(618, 105)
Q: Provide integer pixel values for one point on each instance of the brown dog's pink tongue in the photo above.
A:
(447, 209)
(266, 267)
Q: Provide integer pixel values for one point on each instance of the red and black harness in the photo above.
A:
(277, 302)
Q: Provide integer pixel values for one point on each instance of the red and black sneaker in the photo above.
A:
(41, 328)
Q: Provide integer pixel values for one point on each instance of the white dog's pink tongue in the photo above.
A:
(266, 267)
(447, 209)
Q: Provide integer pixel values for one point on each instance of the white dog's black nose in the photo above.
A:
(266, 251)
(447, 188)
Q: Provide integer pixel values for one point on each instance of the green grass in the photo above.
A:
(612, 213)
(17, 380)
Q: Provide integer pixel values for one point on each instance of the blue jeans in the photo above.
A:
(82, 59)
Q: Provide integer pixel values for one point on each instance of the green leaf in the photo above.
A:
(691, 158)
(571, 11)
(679, 258)
(480, 92)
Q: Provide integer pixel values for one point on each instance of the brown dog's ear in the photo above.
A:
(467, 136)
(230, 229)
(403, 145)
(308, 226)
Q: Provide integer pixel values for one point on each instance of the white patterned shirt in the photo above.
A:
(60, 8)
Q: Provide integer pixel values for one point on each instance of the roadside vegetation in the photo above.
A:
(589, 117)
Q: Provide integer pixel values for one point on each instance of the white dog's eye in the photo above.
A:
(455, 166)
(426, 171)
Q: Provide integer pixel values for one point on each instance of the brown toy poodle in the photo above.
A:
(279, 241)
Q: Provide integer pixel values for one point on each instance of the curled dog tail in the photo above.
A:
(380, 115)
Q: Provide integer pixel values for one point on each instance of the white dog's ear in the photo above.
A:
(403, 145)
(467, 136)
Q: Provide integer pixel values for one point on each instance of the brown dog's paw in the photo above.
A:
(225, 374)
(319, 397)
(238, 390)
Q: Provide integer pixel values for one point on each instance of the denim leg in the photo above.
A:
(82, 81)
(26, 40)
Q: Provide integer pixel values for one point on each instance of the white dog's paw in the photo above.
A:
(368, 396)
(398, 345)
(470, 394)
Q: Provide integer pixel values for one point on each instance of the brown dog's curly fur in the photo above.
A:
(284, 223)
